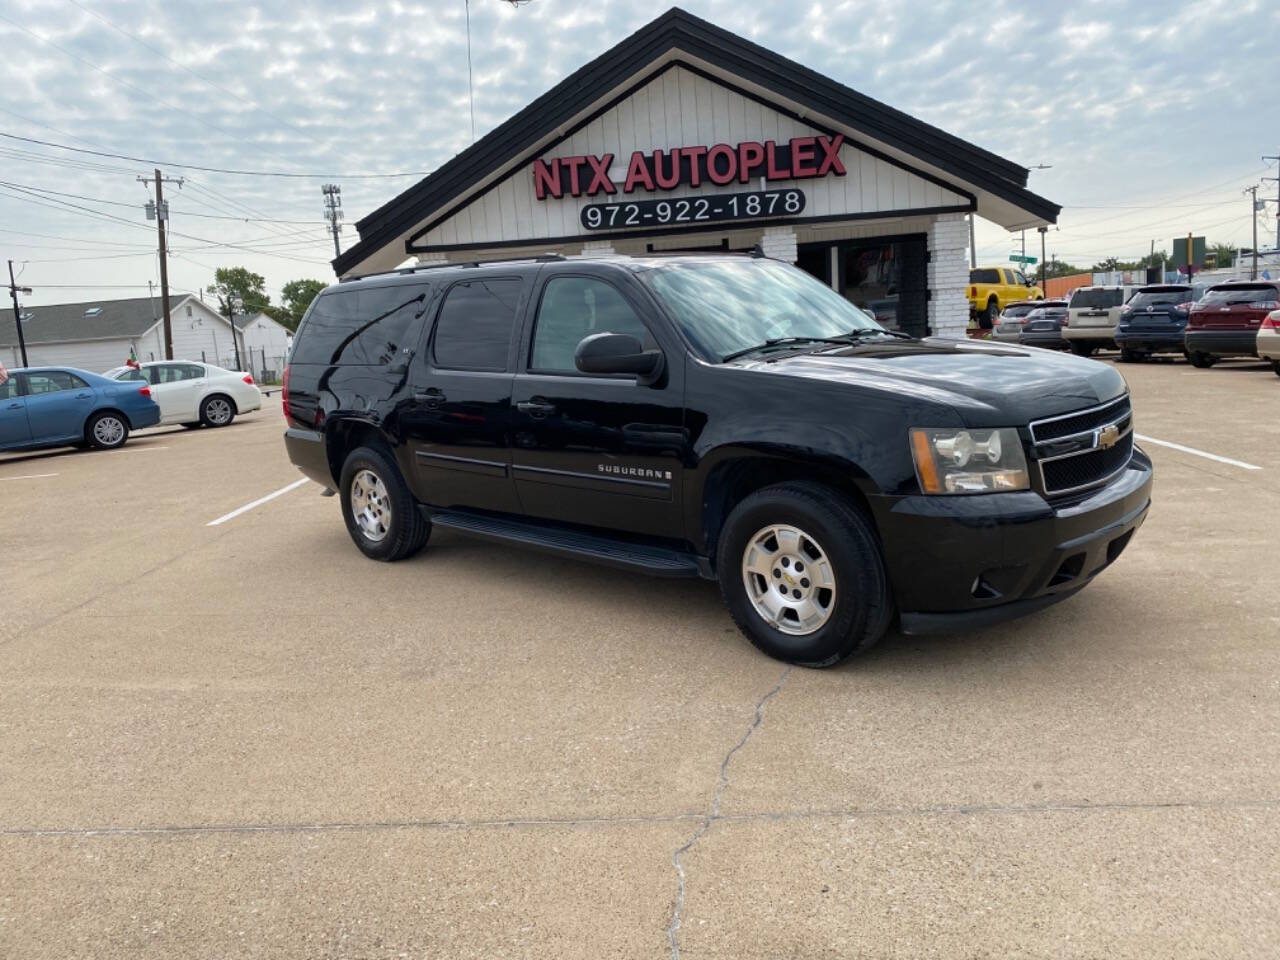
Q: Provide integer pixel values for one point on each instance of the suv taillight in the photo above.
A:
(973, 292)
(284, 395)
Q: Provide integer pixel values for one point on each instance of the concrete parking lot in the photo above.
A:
(246, 740)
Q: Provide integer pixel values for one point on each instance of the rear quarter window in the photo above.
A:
(365, 327)
(984, 276)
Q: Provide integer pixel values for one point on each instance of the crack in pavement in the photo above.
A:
(722, 782)
(766, 816)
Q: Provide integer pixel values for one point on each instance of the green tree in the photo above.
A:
(1225, 253)
(250, 287)
(1059, 268)
(296, 297)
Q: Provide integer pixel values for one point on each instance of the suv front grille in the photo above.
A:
(1070, 452)
(1068, 424)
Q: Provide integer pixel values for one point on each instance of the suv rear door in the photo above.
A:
(456, 419)
(604, 451)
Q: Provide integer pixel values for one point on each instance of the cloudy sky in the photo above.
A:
(1152, 116)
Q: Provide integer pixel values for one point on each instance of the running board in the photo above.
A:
(574, 544)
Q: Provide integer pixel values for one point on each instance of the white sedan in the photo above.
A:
(193, 394)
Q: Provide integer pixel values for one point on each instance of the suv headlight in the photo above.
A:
(969, 461)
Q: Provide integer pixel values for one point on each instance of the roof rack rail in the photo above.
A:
(417, 268)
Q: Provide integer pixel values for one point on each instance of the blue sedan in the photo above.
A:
(57, 406)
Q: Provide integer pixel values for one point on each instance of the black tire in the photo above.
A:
(408, 529)
(217, 410)
(193, 425)
(107, 430)
(1131, 356)
(862, 608)
(991, 315)
(1202, 361)
(1275, 367)
(1082, 348)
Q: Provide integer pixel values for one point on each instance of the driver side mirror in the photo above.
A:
(618, 353)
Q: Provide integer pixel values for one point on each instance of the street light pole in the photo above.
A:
(231, 318)
(14, 289)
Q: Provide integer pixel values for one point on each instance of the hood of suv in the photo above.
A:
(986, 384)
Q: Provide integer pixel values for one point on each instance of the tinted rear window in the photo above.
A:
(476, 320)
(366, 326)
(984, 276)
(1242, 293)
(1096, 298)
(1155, 298)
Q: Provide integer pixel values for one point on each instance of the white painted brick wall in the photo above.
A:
(948, 274)
(779, 243)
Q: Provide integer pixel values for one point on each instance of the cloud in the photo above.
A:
(1131, 102)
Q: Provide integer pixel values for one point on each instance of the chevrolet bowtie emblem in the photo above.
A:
(1106, 437)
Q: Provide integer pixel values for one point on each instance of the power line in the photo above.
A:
(192, 166)
(134, 206)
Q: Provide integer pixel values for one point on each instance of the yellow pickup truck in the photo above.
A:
(991, 289)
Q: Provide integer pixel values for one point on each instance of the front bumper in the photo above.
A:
(1166, 340)
(307, 452)
(1223, 343)
(962, 562)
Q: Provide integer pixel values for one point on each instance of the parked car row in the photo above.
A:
(61, 406)
(1237, 318)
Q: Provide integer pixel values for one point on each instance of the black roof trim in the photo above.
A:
(678, 29)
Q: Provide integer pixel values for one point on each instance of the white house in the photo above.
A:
(98, 334)
(266, 344)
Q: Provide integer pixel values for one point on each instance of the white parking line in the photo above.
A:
(1198, 453)
(30, 476)
(257, 503)
(140, 449)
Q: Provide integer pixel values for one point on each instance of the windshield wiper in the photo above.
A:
(843, 340)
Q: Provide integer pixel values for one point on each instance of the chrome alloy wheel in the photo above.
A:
(218, 411)
(789, 579)
(108, 431)
(371, 505)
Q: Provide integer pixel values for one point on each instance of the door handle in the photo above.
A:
(83, 396)
(537, 407)
(432, 396)
(15, 405)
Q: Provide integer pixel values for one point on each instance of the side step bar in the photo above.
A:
(638, 557)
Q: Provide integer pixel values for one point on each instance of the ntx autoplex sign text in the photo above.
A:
(800, 158)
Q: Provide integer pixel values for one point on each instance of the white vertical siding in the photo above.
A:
(682, 108)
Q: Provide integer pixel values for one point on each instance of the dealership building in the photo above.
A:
(687, 137)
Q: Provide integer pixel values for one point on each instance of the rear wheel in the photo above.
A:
(381, 514)
(1202, 360)
(107, 431)
(992, 314)
(1082, 348)
(1275, 366)
(1131, 356)
(801, 572)
(217, 410)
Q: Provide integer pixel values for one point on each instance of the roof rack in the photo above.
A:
(418, 268)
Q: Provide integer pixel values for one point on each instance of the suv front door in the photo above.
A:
(457, 419)
(604, 451)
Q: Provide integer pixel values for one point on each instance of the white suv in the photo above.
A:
(1092, 316)
(195, 394)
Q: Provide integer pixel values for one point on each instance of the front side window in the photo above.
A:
(53, 381)
(1019, 277)
(474, 329)
(727, 306)
(573, 308)
(9, 389)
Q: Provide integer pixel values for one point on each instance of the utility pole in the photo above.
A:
(14, 290)
(1253, 216)
(232, 299)
(333, 212)
(159, 211)
(1044, 267)
(1276, 178)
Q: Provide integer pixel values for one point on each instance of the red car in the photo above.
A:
(1225, 321)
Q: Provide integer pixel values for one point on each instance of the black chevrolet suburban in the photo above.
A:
(721, 416)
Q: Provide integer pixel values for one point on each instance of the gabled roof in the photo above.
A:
(89, 320)
(679, 31)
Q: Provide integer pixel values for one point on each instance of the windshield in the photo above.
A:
(1164, 295)
(727, 306)
(1096, 297)
(1242, 293)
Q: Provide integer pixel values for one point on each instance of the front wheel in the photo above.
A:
(381, 514)
(1202, 361)
(801, 572)
(107, 431)
(1082, 348)
(217, 411)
